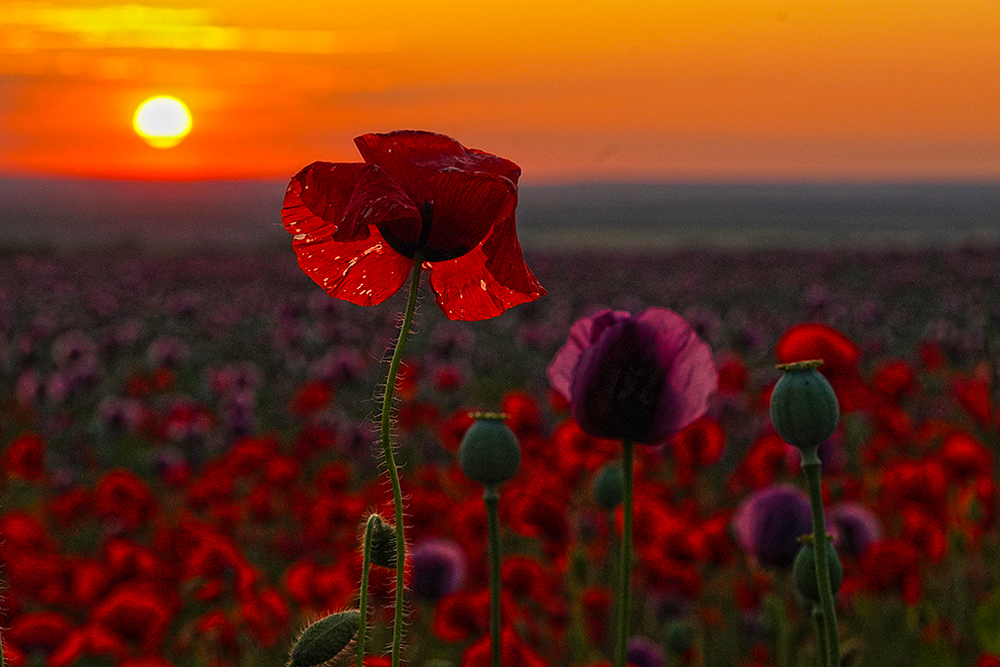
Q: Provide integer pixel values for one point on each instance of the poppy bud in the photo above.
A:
(489, 452)
(325, 639)
(804, 571)
(383, 547)
(608, 487)
(804, 408)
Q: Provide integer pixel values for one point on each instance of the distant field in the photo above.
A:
(246, 215)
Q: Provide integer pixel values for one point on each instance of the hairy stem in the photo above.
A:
(390, 460)
(366, 563)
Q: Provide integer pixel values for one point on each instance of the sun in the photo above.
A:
(162, 121)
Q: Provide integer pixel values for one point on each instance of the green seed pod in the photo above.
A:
(608, 487)
(804, 571)
(383, 551)
(804, 408)
(325, 639)
(489, 452)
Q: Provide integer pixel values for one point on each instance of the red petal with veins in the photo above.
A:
(466, 289)
(341, 201)
(411, 156)
(365, 271)
(506, 261)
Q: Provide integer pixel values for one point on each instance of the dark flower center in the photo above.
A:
(409, 248)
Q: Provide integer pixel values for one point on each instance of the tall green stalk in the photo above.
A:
(625, 558)
(491, 497)
(366, 564)
(811, 467)
(821, 645)
(390, 460)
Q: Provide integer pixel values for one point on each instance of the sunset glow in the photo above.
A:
(647, 90)
(162, 121)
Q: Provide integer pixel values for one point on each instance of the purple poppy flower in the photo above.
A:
(769, 522)
(855, 526)
(644, 652)
(641, 378)
(438, 568)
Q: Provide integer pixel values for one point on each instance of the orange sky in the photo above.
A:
(571, 90)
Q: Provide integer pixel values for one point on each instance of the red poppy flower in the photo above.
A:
(358, 226)
(840, 356)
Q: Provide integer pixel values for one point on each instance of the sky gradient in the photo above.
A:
(572, 91)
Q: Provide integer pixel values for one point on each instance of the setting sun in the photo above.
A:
(162, 121)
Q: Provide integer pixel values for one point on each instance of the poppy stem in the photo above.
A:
(397, 494)
(491, 497)
(625, 557)
(822, 657)
(366, 564)
(811, 467)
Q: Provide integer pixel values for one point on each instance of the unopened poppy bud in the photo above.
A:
(608, 487)
(804, 408)
(489, 452)
(804, 571)
(325, 639)
(383, 547)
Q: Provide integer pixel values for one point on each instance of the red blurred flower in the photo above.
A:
(892, 565)
(965, 458)
(513, 652)
(840, 359)
(462, 615)
(133, 613)
(596, 603)
(698, 446)
(894, 379)
(25, 457)
(310, 397)
(124, 496)
(358, 227)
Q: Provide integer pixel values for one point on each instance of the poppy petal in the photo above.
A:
(465, 289)
(692, 377)
(410, 156)
(365, 271)
(506, 261)
(581, 335)
(466, 206)
(342, 200)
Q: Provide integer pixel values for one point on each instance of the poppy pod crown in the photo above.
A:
(358, 227)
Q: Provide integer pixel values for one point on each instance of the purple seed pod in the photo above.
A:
(855, 527)
(644, 652)
(769, 522)
(439, 567)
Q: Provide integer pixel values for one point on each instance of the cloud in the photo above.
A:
(30, 27)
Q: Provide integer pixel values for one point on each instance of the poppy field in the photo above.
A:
(188, 458)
